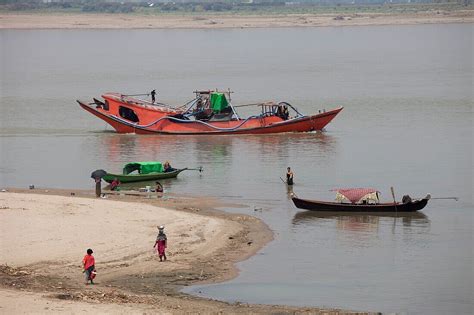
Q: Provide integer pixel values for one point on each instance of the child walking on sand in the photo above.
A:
(160, 243)
(88, 262)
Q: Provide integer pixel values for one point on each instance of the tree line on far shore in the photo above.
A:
(273, 6)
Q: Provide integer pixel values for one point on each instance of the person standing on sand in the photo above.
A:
(161, 243)
(98, 187)
(88, 263)
(289, 176)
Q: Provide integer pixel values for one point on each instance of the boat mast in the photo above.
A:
(230, 104)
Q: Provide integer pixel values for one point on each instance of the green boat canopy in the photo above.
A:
(143, 167)
(218, 102)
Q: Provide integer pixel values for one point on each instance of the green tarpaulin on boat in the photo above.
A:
(143, 167)
(218, 102)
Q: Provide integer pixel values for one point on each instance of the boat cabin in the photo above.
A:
(358, 196)
(215, 106)
(212, 106)
(143, 167)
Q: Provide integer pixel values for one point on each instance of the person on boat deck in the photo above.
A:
(115, 184)
(88, 263)
(153, 93)
(286, 113)
(283, 112)
(289, 176)
(167, 167)
(159, 187)
(161, 243)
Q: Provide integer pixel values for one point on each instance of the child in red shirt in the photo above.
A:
(88, 263)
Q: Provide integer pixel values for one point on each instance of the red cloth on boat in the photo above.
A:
(88, 261)
(355, 194)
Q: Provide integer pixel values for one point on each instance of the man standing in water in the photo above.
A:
(289, 176)
(160, 243)
(153, 93)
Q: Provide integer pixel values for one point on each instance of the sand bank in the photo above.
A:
(135, 21)
(45, 233)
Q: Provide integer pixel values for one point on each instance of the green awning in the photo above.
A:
(143, 167)
(218, 102)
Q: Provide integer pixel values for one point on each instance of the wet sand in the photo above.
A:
(45, 233)
(135, 21)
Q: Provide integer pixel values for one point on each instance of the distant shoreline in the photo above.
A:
(14, 20)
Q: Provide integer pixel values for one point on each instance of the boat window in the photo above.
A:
(128, 114)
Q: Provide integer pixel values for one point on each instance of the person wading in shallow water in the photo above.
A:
(289, 176)
(161, 243)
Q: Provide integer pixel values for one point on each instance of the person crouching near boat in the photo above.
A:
(88, 263)
(161, 243)
(115, 184)
(159, 187)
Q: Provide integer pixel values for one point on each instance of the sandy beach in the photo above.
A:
(45, 234)
(192, 21)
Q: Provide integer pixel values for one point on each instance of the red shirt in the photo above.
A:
(88, 261)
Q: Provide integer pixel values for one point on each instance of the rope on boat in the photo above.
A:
(195, 121)
(158, 103)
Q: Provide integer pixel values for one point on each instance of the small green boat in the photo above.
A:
(146, 171)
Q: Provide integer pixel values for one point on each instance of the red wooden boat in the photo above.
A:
(361, 200)
(210, 112)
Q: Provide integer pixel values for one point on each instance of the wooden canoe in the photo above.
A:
(130, 178)
(316, 205)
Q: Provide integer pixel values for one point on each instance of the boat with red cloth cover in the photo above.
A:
(361, 200)
(210, 112)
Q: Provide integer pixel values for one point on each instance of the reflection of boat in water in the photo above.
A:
(307, 216)
(360, 220)
(211, 112)
(361, 200)
(146, 171)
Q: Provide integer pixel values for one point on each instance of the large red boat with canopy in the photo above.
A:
(210, 112)
(361, 200)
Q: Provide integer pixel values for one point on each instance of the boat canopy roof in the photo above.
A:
(356, 195)
(143, 167)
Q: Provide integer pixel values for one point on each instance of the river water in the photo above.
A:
(407, 122)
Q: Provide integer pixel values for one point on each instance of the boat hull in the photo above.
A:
(316, 205)
(167, 124)
(130, 178)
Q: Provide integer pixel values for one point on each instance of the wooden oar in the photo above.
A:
(394, 201)
(396, 210)
(195, 169)
(135, 94)
(455, 198)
